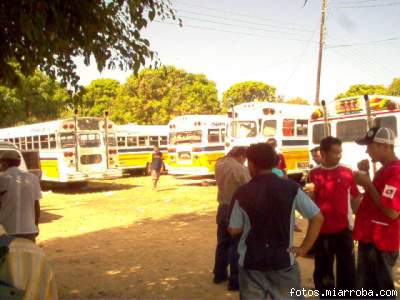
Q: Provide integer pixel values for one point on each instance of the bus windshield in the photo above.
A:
(186, 137)
(89, 140)
(67, 140)
(243, 129)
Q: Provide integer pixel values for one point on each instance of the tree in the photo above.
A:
(98, 97)
(363, 89)
(394, 87)
(297, 100)
(156, 96)
(38, 98)
(49, 34)
(247, 91)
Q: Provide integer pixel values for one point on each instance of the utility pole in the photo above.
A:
(321, 49)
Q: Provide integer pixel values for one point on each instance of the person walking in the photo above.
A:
(263, 213)
(156, 166)
(19, 198)
(229, 174)
(334, 192)
(377, 219)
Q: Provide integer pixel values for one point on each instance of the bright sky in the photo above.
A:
(276, 41)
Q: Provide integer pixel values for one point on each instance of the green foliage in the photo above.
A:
(38, 98)
(247, 91)
(394, 87)
(156, 96)
(297, 100)
(48, 34)
(98, 97)
(363, 89)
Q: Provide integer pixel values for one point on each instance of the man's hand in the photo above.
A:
(363, 165)
(362, 178)
(309, 189)
(299, 251)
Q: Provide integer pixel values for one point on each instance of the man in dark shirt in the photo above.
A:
(156, 166)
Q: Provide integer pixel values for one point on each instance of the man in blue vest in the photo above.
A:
(263, 211)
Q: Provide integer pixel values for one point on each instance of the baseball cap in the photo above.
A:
(10, 154)
(382, 135)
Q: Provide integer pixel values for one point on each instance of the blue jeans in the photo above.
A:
(275, 284)
(226, 253)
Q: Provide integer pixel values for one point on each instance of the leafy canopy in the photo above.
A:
(156, 96)
(363, 89)
(49, 34)
(394, 87)
(247, 91)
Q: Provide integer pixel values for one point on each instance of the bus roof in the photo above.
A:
(256, 109)
(135, 129)
(356, 106)
(204, 119)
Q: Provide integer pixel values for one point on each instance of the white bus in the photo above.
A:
(256, 122)
(347, 120)
(70, 150)
(195, 144)
(135, 145)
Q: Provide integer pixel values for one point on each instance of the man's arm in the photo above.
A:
(363, 179)
(236, 220)
(37, 212)
(313, 228)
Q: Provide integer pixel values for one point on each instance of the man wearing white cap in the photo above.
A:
(377, 219)
(19, 197)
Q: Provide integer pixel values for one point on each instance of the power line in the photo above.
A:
(234, 32)
(239, 14)
(243, 21)
(364, 43)
(367, 6)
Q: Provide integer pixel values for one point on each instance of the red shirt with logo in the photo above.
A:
(372, 225)
(281, 162)
(333, 187)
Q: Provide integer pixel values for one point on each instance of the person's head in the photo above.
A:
(156, 148)
(331, 151)
(272, 142)
(238, 153)
(260, 157)
(380, 143)
(316, 155)
(8, 159)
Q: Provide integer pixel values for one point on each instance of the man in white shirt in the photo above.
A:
(19, 198)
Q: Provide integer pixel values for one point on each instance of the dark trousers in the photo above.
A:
(375, 269)
(327, 247)
(226, 252)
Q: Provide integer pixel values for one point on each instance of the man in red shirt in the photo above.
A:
(335, 191)
(377, 219)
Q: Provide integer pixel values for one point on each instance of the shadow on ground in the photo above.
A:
(90, 187)
(47, 216)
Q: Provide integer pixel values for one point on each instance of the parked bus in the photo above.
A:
(347, 120)
(256, 122)
(195, 144)
(136, 142)
(69, 150)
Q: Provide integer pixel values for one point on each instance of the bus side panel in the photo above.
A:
(296, 159)
(134, 160)
(50, 169)
(209, 160)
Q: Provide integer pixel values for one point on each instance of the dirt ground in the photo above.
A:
(121, 240)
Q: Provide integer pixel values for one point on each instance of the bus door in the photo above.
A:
(92, 156)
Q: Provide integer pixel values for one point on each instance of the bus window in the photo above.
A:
(44, 142)
(349, 131)
(29, 143)
(389, 122)
(318, 132)
(301, 127)
(132, 141)
(67, 140)
(52, 139)
(288, 127)
(89, 140)
(16, 142)
(36, 142)
(163, 140)
(143, 140)
(269, 128)
(242, 129)
(111, 140)
(223, 133)
(213, 135)
(188, 137)
(121, 141)
(154, 140)
(172, 139)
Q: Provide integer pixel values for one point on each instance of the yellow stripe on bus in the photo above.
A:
(50, 168)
